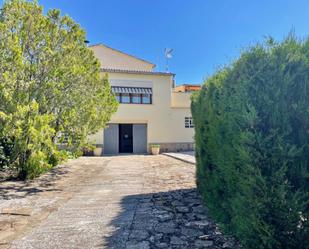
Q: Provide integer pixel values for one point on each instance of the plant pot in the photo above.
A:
(98, 151)
(155, 150)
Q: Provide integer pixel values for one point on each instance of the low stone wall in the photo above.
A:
(174, 147)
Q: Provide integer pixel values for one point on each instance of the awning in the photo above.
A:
(138, 90)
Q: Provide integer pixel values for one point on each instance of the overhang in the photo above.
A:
(137, 90)
(109, 70)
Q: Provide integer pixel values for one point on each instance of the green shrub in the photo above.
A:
(36, 165)
(6, 152)
(252, 145)
(58, 157)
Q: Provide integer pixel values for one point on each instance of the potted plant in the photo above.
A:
(98, 151)
(155, 149)
(88, 149)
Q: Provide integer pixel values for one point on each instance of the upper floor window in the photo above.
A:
(133, 95)
(125, 98)
(117, 97)
(135, 98)
(189, 122)
(146, 98)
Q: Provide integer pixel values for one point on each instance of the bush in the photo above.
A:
(36, 165)
(252, 145)
(6, 152)
(50, 84)
(58, 157)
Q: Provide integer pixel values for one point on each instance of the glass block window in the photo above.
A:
(189, 122)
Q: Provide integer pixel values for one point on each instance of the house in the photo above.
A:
(150, 110)
(187, 88)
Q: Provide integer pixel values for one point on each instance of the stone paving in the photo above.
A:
(111, 202)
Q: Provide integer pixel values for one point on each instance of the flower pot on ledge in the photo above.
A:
(155, 149)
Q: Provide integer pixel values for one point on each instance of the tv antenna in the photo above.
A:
(168, 55)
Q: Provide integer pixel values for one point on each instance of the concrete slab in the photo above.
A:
(186, 156)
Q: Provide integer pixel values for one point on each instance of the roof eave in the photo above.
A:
(108, 70)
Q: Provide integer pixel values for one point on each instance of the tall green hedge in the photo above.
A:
(252, 145)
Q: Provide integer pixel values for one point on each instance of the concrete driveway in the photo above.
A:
(109, 202)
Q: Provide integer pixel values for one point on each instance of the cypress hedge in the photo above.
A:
(252, 145)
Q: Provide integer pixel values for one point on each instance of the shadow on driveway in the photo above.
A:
(21, 189)
(173, 219)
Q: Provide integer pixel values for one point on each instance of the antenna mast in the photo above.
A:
(168, 55)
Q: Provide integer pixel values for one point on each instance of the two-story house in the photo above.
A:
(150, 111)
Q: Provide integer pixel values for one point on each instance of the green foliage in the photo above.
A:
(37, 164)
(58, 157)
(50, 84)
(155, 145)
(6, 152)
(252, 145)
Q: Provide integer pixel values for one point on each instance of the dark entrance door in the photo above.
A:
(125, 138)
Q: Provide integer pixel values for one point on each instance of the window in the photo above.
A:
(189, 122)
(118, 97)
(146, 98)
(135, 98)
(125, 98)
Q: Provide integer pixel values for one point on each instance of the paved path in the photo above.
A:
(186, 156)
(109, 202)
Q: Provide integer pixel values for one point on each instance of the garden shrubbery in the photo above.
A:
(252, 145)
(6, 152)
(50, 85)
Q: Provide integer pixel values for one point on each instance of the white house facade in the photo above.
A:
(150, 111)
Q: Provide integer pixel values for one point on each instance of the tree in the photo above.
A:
(50, 83)
(252, 145)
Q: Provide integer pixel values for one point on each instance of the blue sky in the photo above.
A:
(204, 34)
